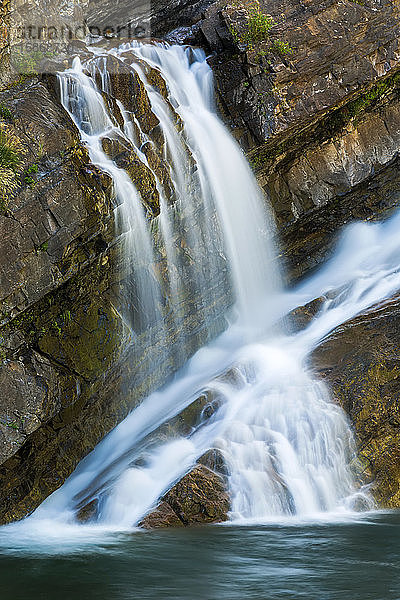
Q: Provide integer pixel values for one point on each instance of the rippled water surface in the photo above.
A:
(353, 561)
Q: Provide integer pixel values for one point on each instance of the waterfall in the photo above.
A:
(288, 449)
(86, 106)
(227, 183)
(209, 176)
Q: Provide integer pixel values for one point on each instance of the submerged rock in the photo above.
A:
(200, 497)
(186, 422)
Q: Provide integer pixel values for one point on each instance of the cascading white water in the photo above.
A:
(84, 102)
(208, 169)
(288, 449)
(226, 180)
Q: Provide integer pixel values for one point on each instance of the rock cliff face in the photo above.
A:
(361, 362)
(337, 49)
(58, 329)
(153, 17)
(317, 120)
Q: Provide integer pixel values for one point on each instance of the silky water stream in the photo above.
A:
(289, 451)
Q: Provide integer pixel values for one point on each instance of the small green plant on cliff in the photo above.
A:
(259, 25)
(41, 150)
(28, 63)
(56, 327)
(67, 316)
(43, 247)
(28, 176)
(5, 113)
(258, 30)
(281, 47)
(11, 151)
(13, 425)
(369, 99)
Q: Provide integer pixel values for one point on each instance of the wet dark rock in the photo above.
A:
(88, 512)
(183, 425)
(233, 376)
(200, 497)
(127, 87)
(164, 516)
(360, 503)
(143, 17)
(185, 35)
(214, 459)
(195, 415)
(187, 421)
(301, 317)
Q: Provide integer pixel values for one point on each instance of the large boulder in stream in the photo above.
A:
(361, 362)
(200, 497)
